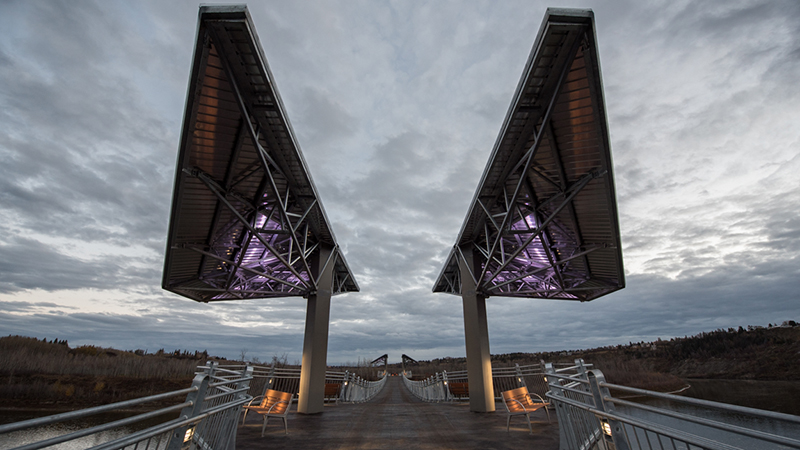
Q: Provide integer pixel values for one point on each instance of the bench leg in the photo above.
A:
(508, 422)
(285, 426)
(530, 427)
(264, 427)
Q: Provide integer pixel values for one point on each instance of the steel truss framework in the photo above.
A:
(246, 219)
(543, 222)
(407, 360)
(381, 360)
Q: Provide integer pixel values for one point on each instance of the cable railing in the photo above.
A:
(590, 418)
(339, 386)
(206, 418)
(454, 385)
(357, 390)
(431, 389)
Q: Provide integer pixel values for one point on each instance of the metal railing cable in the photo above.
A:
(357, 390)
(351, 388)
(589, 418)
(454, 385)
(207, 417)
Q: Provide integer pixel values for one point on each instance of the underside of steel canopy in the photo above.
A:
(543, 222)
(246, 219)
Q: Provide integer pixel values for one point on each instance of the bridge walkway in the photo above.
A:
(396, 419)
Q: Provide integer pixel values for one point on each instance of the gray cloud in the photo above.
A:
(396, 108)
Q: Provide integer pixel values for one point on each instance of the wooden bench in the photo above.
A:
(332, 391)
(458, 389)
(272, 404)
(520, 402)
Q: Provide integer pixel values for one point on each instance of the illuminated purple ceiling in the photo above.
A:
(246, 219)
(543, 222)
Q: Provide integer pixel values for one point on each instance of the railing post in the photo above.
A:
(520, 378)
(581, 368)
(565, 425)
(343, 389)
(446, 389)
(210, 368)
(352, 391)
(270, 379)
(242, 386)
(615, 428)
(182, 436)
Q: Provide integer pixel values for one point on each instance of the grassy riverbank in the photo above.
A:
(37, 373)
(49, 374)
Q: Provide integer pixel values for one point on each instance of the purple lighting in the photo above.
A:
(246, 221)
(543, 220)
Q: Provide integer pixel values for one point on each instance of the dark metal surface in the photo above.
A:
(543, 222)
(246, 219)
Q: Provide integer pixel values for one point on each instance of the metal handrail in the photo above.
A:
(159, 429)
(772, 415)
(713, 423)
(587, 416)
(40, 421)
(211, 410)
(357, 390)
(103, 427)
(436, 387)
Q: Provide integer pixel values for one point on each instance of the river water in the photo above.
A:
(778, 396)
(23, 437)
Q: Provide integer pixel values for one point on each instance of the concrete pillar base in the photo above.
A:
(311, 399)
(476, 334)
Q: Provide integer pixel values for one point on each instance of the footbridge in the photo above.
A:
(247, 223)
(586, 413)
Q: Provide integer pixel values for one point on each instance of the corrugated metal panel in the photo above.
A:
(243, 225)
(558, 236)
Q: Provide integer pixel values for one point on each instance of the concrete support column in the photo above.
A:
(476, 332)
(315, 344)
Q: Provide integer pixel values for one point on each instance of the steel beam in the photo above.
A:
(575, 190)
(528, 157)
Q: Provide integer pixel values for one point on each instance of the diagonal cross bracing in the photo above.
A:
(543, 221)
(246, 218)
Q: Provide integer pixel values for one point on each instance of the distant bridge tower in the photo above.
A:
(246, 220)
(543, 221)
(408, 361)
(381, 360)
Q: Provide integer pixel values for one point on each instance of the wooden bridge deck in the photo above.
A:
(396, 419)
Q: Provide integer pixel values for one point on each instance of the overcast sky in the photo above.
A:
(396, 106)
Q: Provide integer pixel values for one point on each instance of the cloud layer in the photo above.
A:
(396, 107)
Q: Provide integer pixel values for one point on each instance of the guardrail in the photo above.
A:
(452, 386)
(591, 418)
(351, 387)
(431, 389)
(355, 389)
(207, 417)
